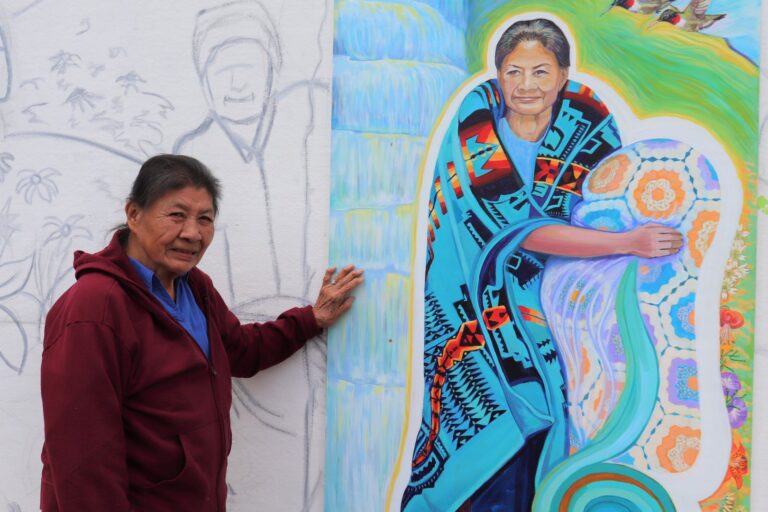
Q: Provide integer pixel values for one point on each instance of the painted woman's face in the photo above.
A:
(531, 78)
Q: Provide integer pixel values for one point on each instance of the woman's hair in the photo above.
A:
(542, 30)
(164, 173)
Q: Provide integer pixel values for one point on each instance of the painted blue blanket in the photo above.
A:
(492, 378)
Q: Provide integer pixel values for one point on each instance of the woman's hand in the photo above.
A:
(652, 241)
(334, 298)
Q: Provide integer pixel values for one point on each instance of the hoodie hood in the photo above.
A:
(114, 262)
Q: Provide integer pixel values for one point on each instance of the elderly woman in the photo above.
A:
(508, 174)
(139, 354)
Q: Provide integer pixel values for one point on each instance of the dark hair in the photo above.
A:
(542, 30)
(164, 173)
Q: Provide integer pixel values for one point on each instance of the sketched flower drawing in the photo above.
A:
(5, 166)
(130, 81)
(82, 100)
(38, 183)
(67, 228)
(62, 61)
(8, 225)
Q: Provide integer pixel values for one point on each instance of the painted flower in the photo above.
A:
(739, 465)
(731, 318)
(736, 268)
(38, 183)
(730, 382)
(659, 194)
(737, 411)
(701, 235)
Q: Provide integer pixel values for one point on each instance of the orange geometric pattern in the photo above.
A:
(659, 194)
(679, 448)
(611, 175)
(702, 233)
(454, 179)
(496, 167)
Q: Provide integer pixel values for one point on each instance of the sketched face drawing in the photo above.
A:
(238, 80)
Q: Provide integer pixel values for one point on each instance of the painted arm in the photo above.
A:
(647, 241)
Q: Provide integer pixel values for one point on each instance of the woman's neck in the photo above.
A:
(529, 127)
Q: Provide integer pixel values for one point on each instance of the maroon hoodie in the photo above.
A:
(136, 417)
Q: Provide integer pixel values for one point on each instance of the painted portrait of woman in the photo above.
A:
(499, 398)
(560, 226)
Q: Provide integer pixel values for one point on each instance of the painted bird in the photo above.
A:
(642, 6)
(693, 18)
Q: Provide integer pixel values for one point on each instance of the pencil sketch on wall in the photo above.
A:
(81, 106)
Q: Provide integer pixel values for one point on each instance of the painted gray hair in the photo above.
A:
(542, 30)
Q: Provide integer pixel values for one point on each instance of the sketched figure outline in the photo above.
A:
(243, 102)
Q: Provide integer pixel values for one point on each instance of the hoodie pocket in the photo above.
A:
(182, 463)
(197, 466)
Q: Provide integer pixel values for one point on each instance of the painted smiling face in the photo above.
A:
(238, 80)
(171, 235)
(530, 78)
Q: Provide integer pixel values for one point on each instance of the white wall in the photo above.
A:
(759, 459)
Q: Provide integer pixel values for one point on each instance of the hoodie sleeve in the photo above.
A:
(84, 454)
(257, 346)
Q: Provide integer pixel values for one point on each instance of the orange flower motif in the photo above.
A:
(610, 175)
(739, 465)
(679, 448)
(659, 194)
(701, 235)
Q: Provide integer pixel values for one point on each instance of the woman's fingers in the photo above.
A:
(328, 277)
(661, 240)
(334, 298)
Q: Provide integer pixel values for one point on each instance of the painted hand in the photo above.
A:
(653, 241)
(334, 298)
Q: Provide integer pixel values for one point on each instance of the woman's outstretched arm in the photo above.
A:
(647, 241)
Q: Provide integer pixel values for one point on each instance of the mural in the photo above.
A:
(579, 219)
(243, 86)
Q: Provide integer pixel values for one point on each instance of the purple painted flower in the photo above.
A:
(737, 411)
(731, 383)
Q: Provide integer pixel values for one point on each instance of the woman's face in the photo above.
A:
(531, 78)
(171, 235)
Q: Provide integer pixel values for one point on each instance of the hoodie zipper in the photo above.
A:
(214, 374)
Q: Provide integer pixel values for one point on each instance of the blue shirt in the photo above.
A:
(522, 152)
(185, 310)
